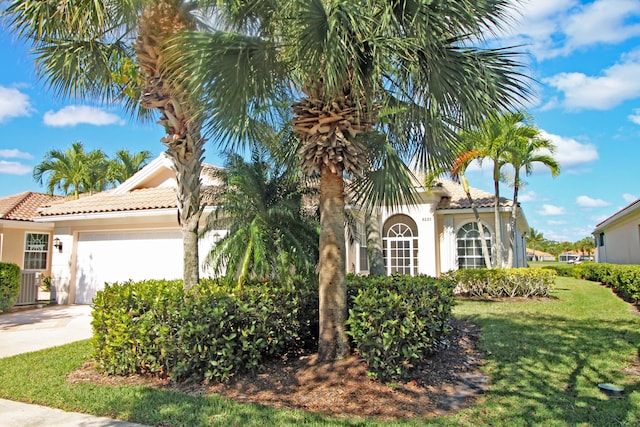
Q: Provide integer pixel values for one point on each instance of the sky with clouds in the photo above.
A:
(584, 57)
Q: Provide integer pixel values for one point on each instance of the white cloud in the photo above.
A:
(629, 198)
(551, 28)
(551, 210)
(14, 168)
(14, 153)
(13, 103)
(81, 114)
(571, 153)
(588, 202)
(529, 196)
(635, 117)
(615, 85)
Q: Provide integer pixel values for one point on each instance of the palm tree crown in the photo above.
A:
(347, 63)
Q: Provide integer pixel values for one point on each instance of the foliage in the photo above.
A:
(543, 359)
(503, 282)
(270, 235)
(75, 171)
(564, 270)
(623, 279)
(395, 322)
(208, 332)
(9, 285)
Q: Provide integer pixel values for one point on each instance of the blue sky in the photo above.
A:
(584, 55)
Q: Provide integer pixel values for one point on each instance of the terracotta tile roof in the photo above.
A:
(457, 198)
(24, 206)
(136, 200)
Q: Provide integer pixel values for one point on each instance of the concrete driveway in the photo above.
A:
(37, 329)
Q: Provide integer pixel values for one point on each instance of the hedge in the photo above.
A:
(9, 285)
(503, 282)
(623, 279)
(397, 321)
(210, 332)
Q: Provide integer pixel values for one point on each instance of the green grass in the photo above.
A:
(544, 359)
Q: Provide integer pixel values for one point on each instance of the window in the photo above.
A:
(401, 245)
(363, 264)
(36, 250)
(601, 239)
(470, 246)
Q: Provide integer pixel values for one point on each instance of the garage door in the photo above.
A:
(120, 256)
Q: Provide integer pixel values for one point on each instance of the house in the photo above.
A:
(132, 232)
(129, 232)
(617, 238)
(25, 242)
(440, 233)
(535, 255)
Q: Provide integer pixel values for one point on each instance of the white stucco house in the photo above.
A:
(617, 238)
(132, 232)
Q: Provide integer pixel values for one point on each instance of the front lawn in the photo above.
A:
(544, 358)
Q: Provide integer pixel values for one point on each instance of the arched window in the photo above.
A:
(400, 245)
(470, 246)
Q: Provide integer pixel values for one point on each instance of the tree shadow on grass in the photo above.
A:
(549, 370)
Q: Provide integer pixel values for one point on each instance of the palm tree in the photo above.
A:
(461, 163)
(346, 63)
(113, 51)
(525, 148)
(124, 164)
(269, 236)
(73, 171)
(535, 239)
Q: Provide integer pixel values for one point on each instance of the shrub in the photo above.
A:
(210, 332)
(503, 282)
(565, 270)
(623, 279)
(9, 285)
(396, 321)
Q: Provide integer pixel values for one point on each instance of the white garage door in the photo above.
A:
(120, 256)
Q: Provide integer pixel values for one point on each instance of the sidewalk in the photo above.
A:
(31, 330)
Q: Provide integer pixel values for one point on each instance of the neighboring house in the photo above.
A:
(24, 242)
(132, 232)
(617, 238)
(439, 234)
(535, 255)
(129, 232)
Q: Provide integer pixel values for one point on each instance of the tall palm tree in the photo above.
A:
(124, 164)
(113, 51)
(269, 235)
(458, 173)
(525, 149)
(347, 62)
(73, 171)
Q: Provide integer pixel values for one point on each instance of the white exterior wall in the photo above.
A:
(621, 241)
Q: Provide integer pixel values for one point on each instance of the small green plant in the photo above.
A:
(503, 282)
(46, 283)
(9, 285)
(397, 321)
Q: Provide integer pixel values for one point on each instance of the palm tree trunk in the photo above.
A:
(512, 223)
(161, 20)
(374, 244)
(483, 242)
(498, 222)
(333, 343)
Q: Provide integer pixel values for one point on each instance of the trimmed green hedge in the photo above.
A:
(503, 282)
(623, 279)
(397, 321)
(209, 332)
(213, 331)
(9, 285)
